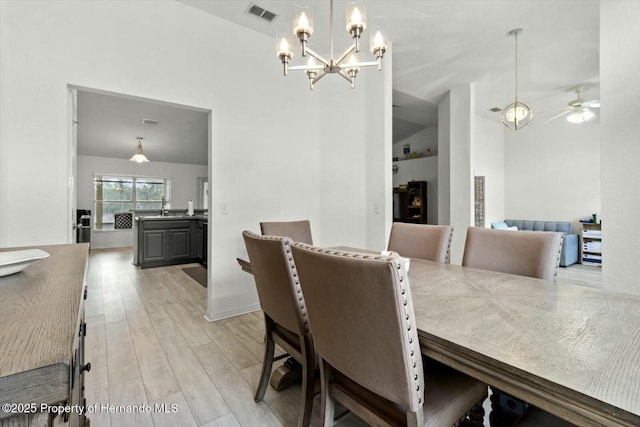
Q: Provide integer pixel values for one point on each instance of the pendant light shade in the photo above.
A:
(518, 114)
(139, 156)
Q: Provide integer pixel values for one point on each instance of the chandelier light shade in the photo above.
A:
(139, 156)
(518, 114)
(347, 64)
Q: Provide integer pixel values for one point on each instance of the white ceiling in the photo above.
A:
(109, 124)
(436, 45)
(440, 44)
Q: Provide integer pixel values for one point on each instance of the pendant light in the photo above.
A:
(139, 155)
(518, 114)
(347, 65)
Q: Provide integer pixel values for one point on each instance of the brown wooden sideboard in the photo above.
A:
(42, 332)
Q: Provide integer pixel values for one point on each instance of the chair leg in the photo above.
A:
(328, 406)
(267, 363)
(308, 381)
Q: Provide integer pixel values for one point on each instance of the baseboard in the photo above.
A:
(237, 311)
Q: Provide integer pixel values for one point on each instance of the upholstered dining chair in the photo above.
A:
(424, 241)
(284, 311)
(298, 231)
(525, 253)
(361, 316)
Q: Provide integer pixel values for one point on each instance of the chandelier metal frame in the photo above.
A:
(347, 69)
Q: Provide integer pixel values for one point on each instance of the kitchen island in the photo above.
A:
(160, 240)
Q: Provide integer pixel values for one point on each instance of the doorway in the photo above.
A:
(175, 138)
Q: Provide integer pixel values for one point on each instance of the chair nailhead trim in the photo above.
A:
(412, 346)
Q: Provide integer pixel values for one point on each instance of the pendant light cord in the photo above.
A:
(516, 73)
(331, 27)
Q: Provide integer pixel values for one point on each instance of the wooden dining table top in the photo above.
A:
(568, 349)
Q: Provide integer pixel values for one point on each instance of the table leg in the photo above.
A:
(288, 373)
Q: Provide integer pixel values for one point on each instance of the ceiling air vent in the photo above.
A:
(495, 109)
(260, 12)
(149, 122)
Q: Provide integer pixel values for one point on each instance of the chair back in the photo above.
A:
(298, 231)
(424, 241)
(362, 321)
(525, 253)
(274, 272)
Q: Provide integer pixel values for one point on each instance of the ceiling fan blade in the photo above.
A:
(557, 116)
(594, 103)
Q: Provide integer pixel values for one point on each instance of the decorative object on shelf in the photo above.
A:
(518, 114)
(413, 155)
(139, 156)
(347, 64)
(428, 152)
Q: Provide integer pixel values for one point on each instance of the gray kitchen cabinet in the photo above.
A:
(179, 243)
(166, 241)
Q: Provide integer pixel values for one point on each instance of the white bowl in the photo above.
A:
(14, 261)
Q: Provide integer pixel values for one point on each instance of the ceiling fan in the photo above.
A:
(579, 110)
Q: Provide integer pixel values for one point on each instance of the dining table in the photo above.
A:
(571, 350)
(568, 349)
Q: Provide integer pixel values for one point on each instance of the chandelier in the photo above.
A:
(518, 114)
(347, 64)
(139, 155)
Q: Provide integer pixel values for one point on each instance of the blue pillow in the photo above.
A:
(499, 225)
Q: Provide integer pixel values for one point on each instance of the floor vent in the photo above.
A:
(260, 13)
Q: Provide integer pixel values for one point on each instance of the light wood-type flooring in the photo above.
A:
(149, 345)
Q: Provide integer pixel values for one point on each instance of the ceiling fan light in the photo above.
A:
(587, 114)
(580, 115)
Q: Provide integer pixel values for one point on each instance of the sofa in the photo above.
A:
(569, 253)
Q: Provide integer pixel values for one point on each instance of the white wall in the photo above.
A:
(620, 150)
(552, 171)
(274, 142)
(184, 187)
(489, 161)
(444, 160)
(461, 147)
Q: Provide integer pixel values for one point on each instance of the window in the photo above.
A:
(113, 194)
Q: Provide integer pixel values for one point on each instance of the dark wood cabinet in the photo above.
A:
(410, 202)
(153, 246)
(180, 244)
(201, 242)
(168, 241)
